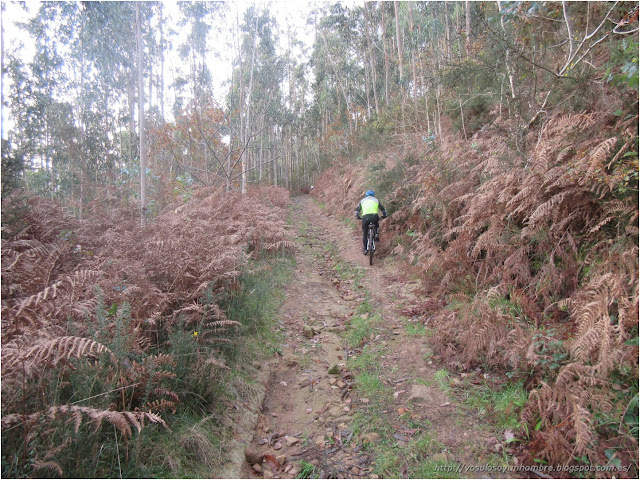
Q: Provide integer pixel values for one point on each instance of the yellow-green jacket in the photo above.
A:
(369, 206)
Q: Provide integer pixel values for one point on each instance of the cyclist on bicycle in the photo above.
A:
(368, 209)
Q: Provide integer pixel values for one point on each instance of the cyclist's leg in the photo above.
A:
(365, 224)
(376, 220)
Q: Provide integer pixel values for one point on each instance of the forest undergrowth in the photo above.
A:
(529, 255)
(121, 344)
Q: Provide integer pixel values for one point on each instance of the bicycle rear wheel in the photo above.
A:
(372, 245)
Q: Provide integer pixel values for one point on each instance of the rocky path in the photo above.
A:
(319, 418)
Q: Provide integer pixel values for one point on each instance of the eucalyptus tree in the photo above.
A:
(38, 105)
(340, 87)
(198, 18)
(255, 99)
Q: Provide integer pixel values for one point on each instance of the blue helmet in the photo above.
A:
(370, 193)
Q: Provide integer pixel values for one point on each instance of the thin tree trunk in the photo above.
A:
(464, 129)
(143, 155)
(161, 92)
(400, 65)
(399, 44)
(372, 60)
(132, 117)
(275, 161)
(447, 35)
(413, 67)
(386, 55)
(247, 132)
(339, 79)
(507, 54)
(2, 70)
(467, 12)
(81, 122)
(260, 160)
(366, 80)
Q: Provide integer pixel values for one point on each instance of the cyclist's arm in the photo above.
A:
(359, 210)
(382, 209)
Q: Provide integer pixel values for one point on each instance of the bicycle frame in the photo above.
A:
(371, 241)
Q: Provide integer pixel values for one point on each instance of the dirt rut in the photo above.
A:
(310, 401)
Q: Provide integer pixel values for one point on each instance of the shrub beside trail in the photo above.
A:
(535, 255)
(109, 327)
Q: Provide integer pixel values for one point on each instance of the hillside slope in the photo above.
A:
(532, 248)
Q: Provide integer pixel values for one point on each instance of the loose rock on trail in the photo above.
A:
(311, 398)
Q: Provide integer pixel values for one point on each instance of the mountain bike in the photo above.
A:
(371, 240)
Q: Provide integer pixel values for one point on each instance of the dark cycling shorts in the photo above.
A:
(366, 219)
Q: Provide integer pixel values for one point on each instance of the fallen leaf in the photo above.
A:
(445, 404)
(272, 461)
(309, 410)
(283, 383)
(346, 409)
(277, 446)
(402, 411)
(365, 400)
(397, 394)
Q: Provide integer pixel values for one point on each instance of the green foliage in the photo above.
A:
(435, 469)
(369, 385)
(551, 354)
(307, 470)
(502, 404)
(375, 135)
(415, 329)
(12, 165)
(510, 308)
(367, 360)
(361, 328)
(622, 67)
(259, 296)
(175, 378)
(386, 181)
(442, 379)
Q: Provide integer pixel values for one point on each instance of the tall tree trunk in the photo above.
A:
(260, 160)
(2, 7)
(81, 122)
(447, 33)
(399, 45)
(247, 129)
(339, 79)
(464, 129)
(507, 54)
(161, 92)
(386, 54)
(400, 65)
(275, 159)
(366, 80)
(413, 67)
(372, 59)
(143, 154)
(132, 115)
(467, 44)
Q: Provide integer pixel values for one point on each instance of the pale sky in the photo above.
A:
(286, 12)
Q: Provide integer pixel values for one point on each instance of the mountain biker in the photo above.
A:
(368, 209)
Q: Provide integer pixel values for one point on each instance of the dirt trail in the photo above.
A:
(308, 413)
